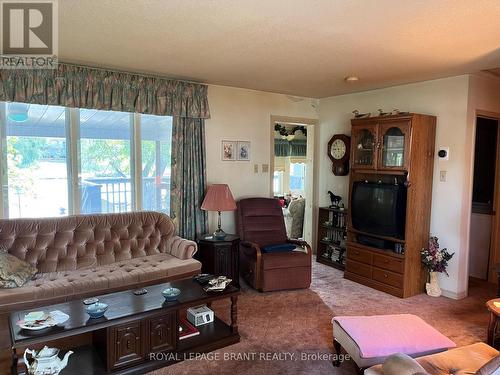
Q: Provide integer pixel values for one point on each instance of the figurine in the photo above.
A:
(45, 361)
(335, 199)
(382, 113)
(360, 115)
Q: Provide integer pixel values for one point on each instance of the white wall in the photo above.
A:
(448, 100)
(245, 115)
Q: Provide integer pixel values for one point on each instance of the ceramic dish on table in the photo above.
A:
(170, 294)
(96, 310)
(42, 320)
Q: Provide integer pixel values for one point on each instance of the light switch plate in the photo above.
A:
(265, 168)
(256, 168)
(442, 176)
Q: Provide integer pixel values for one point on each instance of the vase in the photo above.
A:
(432, 286)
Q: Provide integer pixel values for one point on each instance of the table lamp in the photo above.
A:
(218, 198)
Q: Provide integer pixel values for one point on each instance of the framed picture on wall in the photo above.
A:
(229, 150)
(243, 150)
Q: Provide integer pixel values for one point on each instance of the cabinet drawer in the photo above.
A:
(359, 255)
(126, 345)
(388, 277)
(359, 268)
(388, 263)
(162, 333)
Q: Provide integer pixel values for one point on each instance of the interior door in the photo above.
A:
(363, 146)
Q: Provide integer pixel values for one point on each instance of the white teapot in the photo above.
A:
(45, 361)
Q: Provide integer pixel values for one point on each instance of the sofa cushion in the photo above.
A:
(99, 280)
(460, 361)
(492, 367)
(279, 248)
(82, 241)
(464, 360)
(402, 364)
(14, 272)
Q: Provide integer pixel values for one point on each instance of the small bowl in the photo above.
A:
(96, 310)
(171, 294)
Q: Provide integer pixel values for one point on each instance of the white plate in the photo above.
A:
(55, 317)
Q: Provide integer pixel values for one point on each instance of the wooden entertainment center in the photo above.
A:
(396, 150)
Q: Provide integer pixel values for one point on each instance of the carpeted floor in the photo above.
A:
(298, 322)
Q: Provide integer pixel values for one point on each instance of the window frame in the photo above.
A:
(73, 161)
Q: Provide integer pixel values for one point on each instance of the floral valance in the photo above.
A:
(296, 147)
(86, 87)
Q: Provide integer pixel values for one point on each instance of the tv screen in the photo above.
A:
(379, 209)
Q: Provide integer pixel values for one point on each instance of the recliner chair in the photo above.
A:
(261, 224)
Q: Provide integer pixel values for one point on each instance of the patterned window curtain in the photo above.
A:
(188, 177)
(281, 147)
(298, 147)
(86, 87)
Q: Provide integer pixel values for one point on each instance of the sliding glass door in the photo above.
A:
(57, 161)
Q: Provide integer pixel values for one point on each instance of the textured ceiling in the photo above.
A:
(297, 47)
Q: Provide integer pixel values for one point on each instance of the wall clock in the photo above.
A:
(338, 152)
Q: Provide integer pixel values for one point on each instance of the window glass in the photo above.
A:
(105, 157)
(41, 156)
(37, 176)
(156, 135)
(297, 177)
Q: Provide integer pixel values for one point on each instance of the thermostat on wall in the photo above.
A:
(444, 153)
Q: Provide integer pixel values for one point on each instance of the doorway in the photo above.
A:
(483, 253)
(292, 158)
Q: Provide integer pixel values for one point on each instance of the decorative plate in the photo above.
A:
(53, 318)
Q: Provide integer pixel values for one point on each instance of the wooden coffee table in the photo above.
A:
(494, 319)
(132, 328)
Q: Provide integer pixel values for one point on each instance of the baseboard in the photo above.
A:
(453, 295)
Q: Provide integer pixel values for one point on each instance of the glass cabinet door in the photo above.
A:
(364, 146)
(394, 146)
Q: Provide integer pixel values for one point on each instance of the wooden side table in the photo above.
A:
(494, 319)
(220, 257)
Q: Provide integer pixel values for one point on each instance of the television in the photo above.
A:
(379, 209)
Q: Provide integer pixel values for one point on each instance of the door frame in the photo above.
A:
(494, 251)
(309, 217)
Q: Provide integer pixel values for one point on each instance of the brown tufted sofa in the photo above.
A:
(87, 255)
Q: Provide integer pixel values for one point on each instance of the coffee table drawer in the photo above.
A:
(126, 345)
(388, 277)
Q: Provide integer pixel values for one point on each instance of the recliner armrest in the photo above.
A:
(301, 243)
(250, 247)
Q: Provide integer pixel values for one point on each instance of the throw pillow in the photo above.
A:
(402, 364)
(14, 272)
(491, 367)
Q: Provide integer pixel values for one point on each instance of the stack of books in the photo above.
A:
(186, 329)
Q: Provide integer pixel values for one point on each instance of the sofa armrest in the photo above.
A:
(181, 248)
(301, 243)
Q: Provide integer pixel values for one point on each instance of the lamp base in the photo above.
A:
(219, 234)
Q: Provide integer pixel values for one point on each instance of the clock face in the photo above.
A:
(338, 149)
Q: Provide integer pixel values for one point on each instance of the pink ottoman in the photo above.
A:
(371, 339)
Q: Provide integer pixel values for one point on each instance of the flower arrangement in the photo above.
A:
(435, 260)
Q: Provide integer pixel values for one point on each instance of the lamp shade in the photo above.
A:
(218, 198)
